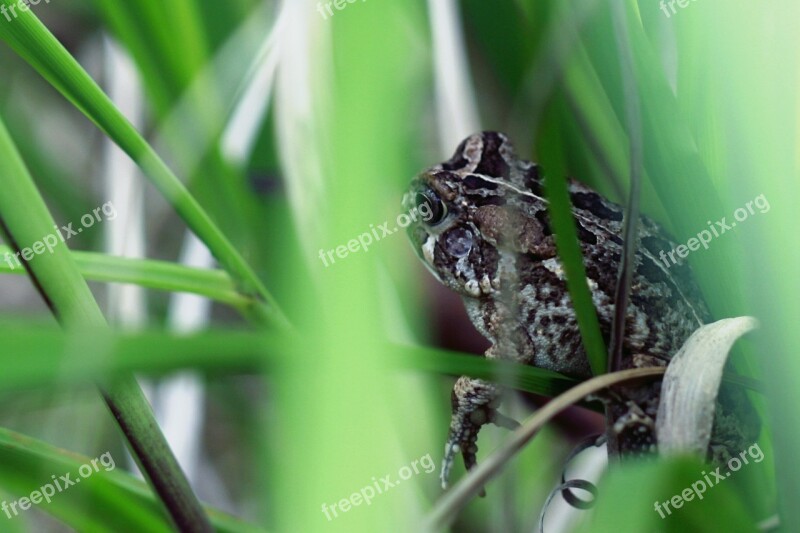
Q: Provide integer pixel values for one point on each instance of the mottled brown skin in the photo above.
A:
(490, 240)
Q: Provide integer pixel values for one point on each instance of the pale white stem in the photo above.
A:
(456, 107)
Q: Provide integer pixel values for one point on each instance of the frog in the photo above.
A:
(489, 238)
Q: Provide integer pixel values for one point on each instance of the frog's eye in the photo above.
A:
(430, 207)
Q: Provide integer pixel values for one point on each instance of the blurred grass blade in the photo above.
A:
(250, 111)
(299, 121)
(82, 357)
(602, 129)
(193, 126)
(166, 68)
(559, 40)
(569, 252)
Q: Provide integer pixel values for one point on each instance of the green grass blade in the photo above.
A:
(82, 356)
(33, 42)
(161, 275)
(25, 219)
(569, 252)
(86, 355)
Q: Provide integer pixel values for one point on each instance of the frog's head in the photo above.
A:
(453, 200)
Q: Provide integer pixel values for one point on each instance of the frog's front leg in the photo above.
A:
(475, 403)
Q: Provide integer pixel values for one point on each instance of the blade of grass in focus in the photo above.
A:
(161, 275)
